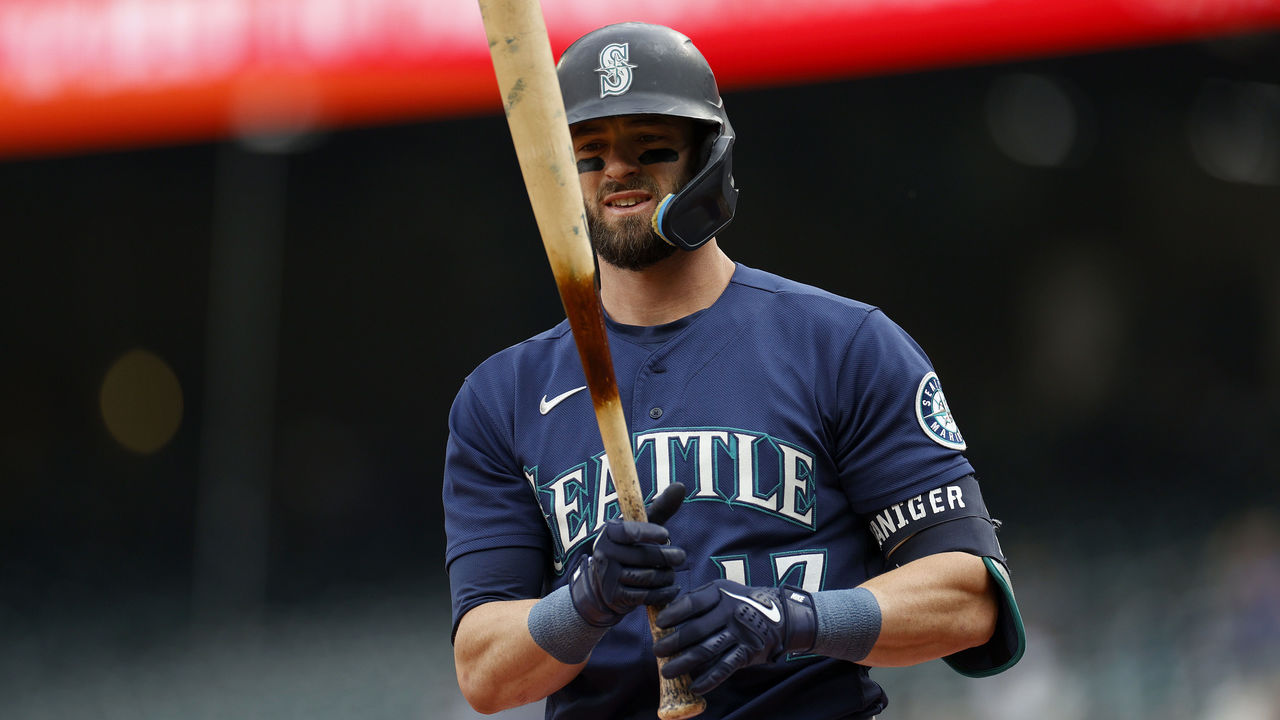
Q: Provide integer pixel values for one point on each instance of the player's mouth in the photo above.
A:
(628, 203)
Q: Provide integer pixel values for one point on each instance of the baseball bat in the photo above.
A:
(535, 111)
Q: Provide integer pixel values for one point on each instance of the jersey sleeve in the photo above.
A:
(488, 502)
(897, 436)
(506, 573)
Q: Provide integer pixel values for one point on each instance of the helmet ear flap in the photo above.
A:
(706, 204)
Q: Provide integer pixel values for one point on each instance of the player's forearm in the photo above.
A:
(499, 665)
(932, 607)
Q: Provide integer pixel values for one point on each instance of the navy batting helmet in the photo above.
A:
(640, 69)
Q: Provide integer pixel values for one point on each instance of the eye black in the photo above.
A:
(591, 164)
(658, 155)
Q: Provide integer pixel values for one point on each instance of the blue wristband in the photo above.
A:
(558, 629)
(848, 623)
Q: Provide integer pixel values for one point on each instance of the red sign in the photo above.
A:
(81, 74)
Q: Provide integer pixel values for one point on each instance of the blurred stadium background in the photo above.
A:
(252, 247)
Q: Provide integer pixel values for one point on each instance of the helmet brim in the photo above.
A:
(644, 103)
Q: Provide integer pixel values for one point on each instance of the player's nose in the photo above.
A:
(620, 163)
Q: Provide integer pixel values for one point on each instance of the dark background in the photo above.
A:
(1086, 246)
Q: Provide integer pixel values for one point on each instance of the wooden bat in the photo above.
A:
(535, 111)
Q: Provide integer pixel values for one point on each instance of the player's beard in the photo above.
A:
(629, 243)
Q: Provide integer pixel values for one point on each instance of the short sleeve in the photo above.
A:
(898, 435)
(488, 502)
(508, 573)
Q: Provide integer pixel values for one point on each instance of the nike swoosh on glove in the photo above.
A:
(725, 626)
(631, 564)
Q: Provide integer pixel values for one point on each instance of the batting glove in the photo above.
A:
(724, 626)
(631, 564)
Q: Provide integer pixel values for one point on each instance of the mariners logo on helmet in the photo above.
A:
(615, 70)
(935, 415)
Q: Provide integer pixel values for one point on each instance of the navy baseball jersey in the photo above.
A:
(790, 414)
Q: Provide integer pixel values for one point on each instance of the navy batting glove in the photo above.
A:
(724, 626)
(631, 564)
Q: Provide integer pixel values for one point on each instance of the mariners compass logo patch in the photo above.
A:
(935, 415)
(615, 69)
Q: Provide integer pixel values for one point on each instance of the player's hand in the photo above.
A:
(632, 564)
(724, 626)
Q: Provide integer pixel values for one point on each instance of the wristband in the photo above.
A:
(848, 623)
(558, 629)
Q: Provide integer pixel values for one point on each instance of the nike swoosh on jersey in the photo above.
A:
(772, 612)
(545, 405)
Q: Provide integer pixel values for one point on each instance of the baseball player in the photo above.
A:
(811, 511)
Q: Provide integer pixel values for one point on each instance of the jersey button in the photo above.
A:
(655, 413)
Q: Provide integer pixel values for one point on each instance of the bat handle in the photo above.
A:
(675, 700)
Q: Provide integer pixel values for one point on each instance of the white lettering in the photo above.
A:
(605, 494)
(955, 497)
(744, 460)
(797, 468)
(811, 569)
(663, 457)
(733, 568)
(882, 527)
(564, 508)
(745, 487)
(705, 441)
(935, 500)
(719, 464)
(916, 507)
